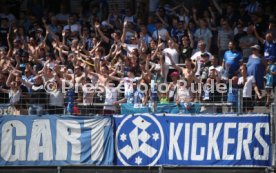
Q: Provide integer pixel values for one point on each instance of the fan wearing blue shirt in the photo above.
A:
(232, 59)
(269, 45)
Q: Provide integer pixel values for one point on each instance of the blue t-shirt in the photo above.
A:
(271, 79)
(233, 59)
(232, 96)
(151, 28)
(255, 67)
(269, 49)
(134, 97)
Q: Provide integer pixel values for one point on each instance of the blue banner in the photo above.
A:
(54, 140)
(207, 140)
(172, 108)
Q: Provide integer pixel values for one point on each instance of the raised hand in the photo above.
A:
(63, 33)
(97, 25)
(125, 23)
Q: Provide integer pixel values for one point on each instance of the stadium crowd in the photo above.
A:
(153, 44)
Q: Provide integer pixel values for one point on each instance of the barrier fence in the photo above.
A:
(82, 104)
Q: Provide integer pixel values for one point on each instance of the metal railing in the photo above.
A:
(77, 104)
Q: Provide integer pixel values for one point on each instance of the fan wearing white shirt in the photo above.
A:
(248, 83)
(196, 58)
(172, 51)
(133, 40)
(160, 31)
(72, 26)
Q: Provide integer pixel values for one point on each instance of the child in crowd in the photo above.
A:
(270, 78)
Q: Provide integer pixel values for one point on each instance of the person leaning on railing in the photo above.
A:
(184, 96)
(248, 83)
(38, 98)
(14, 94)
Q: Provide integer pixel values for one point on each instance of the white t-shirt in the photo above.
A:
(219, 70)
(203, 34)
(248, 86)
(129, 35)
(131, 47)
(128, 84)
(62, 17)
(73, 28)
(162, 32)
(146, 39)
(87, 96)
(196, 56)
(14, 96)
(173, 53)
(56, 99)
(111, 95)
(129, 19)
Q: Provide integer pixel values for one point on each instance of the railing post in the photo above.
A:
(58, 169)
(273, 129)
(240, 101)
(160, 169)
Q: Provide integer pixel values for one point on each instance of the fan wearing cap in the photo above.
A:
(213, 78)
(202, 49)
(270, 78)
(38, 35)
(255, 66)
(202, 66)
(246, 42)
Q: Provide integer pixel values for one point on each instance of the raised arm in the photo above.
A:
(161, 19)
(173, 63)
(217, 6)
(178, 6)
(123, 37)
(195, 16)
(258, 36)
(147, 64)
(9, 42)
(191, 38)
(104, 38)
(257, 91)
(113, 78)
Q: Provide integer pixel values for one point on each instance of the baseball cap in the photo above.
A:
(256, 46)
(205, 54)
(212, 68)
(174, 74)
(271, 58)
(39, 29)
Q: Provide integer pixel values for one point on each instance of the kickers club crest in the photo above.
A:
(139, 140)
